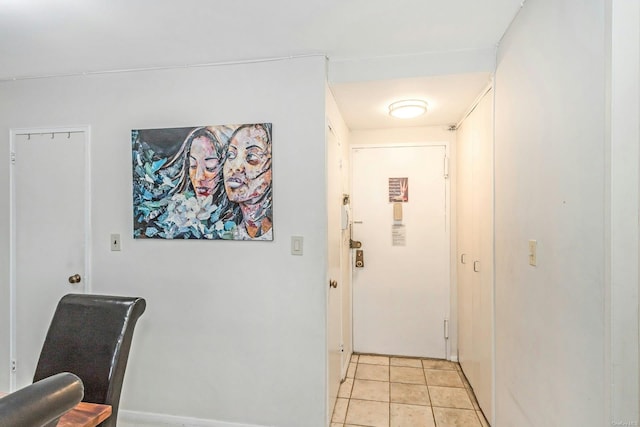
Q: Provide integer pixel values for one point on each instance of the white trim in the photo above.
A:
(86, 129)
(138, 419)
(12, 263)
(477, 101)
(345, 368)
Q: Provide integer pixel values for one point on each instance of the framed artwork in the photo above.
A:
(399, 190)
(205, 182)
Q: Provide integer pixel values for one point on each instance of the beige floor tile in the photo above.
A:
(345, 388)
(411, 416)
(372, 372)
(351, 372)
(373, 360)
(368, 413)
(405, 361)
(340, 410)
(447, 417)
(337, 425)
(403, 374)
(483, 420)
(450, 397)
(354, 358)
(438, 364)
(443, 378)
(414, 394)
(370, 390)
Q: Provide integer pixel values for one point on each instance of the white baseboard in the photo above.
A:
(345, 368)
(148, 419)
(454, 358)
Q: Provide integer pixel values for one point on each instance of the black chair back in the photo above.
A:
(90, 336)
(41, 403)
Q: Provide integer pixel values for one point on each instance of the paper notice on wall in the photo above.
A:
(399, 190)
(398, 235)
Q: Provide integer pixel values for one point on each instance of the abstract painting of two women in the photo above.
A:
(210, 182)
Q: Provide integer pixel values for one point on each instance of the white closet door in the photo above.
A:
(49, 241)
(475, 252)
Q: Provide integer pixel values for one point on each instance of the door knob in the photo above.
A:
(333, 283)
(75, 279)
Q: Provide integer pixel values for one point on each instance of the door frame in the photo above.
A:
(53, 131)
(451, 320)
(332, 137)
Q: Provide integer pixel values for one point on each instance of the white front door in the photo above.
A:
(401, 294)
(49, 224)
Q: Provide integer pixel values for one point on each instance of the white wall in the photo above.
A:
(550, 148)
(623, 193)
(422, 134)
(234, 331)
(406, 135)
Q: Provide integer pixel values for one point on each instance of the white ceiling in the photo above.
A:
(45, 37)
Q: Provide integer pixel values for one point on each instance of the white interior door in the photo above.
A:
(334, 285)
(401, 294)
(49, 236)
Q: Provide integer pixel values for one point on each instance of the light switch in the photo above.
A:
(296, 245)
(533, 249)
(115, 242)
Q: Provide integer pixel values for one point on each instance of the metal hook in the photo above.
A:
(52, 135)
(68, 135)
(28, 137)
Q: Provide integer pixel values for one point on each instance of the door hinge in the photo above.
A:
(14, 366)
(446, 167)
(13, 158)
(446, 329)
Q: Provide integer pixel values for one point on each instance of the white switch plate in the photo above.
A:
(115, 242)
(533, 255)
(297, 245)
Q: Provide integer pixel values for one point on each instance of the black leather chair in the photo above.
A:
(90, 336)
(41, 403)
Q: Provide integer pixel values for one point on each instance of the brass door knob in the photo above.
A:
(333, 283)
(75, 279)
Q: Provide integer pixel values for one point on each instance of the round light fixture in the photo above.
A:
(407, 109)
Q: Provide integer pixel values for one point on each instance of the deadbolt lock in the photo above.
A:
(359, 258)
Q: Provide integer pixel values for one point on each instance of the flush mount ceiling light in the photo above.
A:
(407, 109)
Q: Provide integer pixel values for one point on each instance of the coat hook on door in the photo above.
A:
(53, 135)
(68, 135)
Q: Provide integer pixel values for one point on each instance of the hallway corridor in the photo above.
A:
(382, 391)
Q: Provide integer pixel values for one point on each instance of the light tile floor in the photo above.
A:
(386, 391)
